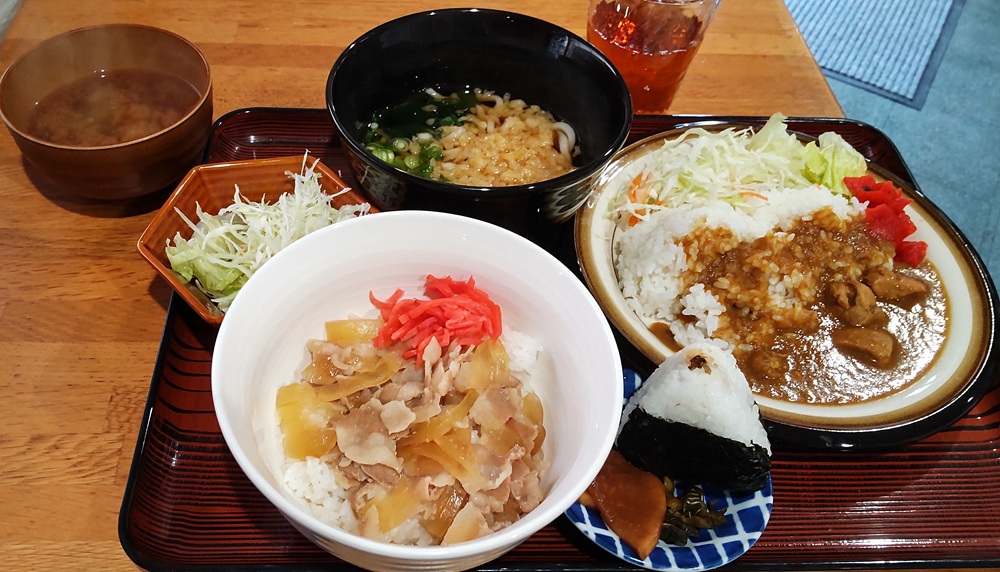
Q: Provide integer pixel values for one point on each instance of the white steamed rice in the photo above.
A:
(715, 397)
(653, 271)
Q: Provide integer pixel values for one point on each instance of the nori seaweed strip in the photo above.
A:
(690, 454)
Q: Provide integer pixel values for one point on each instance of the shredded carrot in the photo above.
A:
(452, 312)
(638, 192)
(755, 194)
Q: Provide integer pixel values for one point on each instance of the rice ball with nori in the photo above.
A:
(695, 420)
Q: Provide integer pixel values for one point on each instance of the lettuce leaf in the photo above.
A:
(829, 159)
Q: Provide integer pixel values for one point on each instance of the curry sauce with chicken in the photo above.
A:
(863, 327)
(872, 337)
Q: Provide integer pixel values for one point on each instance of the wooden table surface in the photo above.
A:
(81, 314)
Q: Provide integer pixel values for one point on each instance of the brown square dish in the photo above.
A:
(212, 187)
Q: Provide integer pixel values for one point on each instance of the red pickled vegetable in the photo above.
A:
(453, 312)
(911, 252)
(870, 191)
(885, 222)
(886, 218)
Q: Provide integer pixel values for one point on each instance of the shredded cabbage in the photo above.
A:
(225, 249)
(737, 165)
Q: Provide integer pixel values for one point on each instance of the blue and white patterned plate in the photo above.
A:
(746, 517)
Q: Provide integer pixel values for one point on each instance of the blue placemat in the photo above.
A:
(889, 47)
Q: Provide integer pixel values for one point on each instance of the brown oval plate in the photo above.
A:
(948, 388)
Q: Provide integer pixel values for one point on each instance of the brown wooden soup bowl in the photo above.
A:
(143, 163)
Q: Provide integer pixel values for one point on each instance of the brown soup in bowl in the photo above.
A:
(112, 107)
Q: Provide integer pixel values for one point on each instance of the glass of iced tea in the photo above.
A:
(651, 42)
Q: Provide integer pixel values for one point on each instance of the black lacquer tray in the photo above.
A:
(187, 505)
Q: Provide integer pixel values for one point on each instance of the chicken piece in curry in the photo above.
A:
(872, 336)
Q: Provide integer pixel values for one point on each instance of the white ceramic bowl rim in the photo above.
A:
(437, 223)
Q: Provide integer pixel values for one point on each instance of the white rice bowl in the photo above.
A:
(329, 274)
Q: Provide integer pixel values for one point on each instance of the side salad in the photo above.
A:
(735, 166)
(227, 247)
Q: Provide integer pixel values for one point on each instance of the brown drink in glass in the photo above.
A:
(651, 42)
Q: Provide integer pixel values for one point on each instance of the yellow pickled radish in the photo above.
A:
(319, 372)
(352, 331)
(447, 505)
(468, 524)
(488, 367)
(442, 422)
(381, 372)
(411, 452)
(416, 465)
(531, 406)
(304, 420)
(399, 504)
(457, 446)
(499, 438)
(453, 452)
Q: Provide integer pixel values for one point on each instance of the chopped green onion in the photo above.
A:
(392, 133)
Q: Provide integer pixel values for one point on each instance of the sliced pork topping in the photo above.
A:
(396, 416)
(381, 475)
(452, 443)
(364, 439)
(525, 485)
